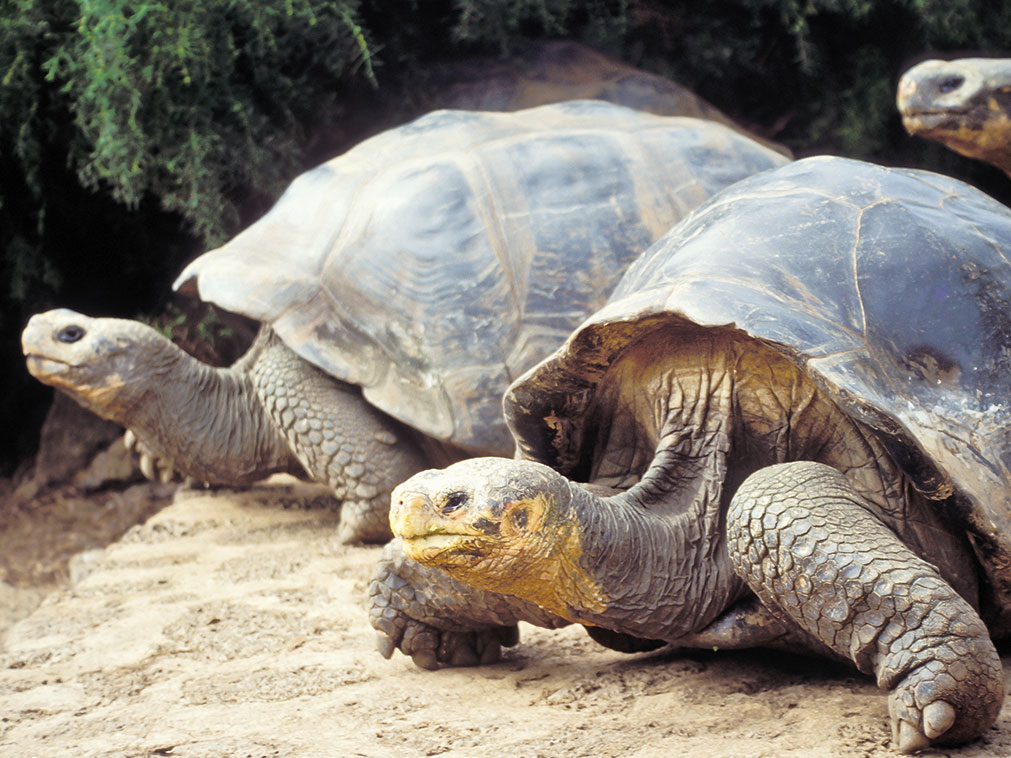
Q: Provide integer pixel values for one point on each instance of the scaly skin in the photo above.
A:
(809, 547)
(803, 538)
(683, 427)
(204, 422)
(436, 620)
(341, 440)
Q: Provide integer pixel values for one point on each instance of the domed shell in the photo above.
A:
(435, 262)
(891, 288)
(550, 71)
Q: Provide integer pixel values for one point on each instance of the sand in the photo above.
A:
(232, 623)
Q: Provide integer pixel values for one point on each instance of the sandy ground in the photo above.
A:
(233, 624)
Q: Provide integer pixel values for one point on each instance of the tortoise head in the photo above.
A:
(495, 523)
(100, 362)
(964, 104)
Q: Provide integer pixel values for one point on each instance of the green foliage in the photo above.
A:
(22, 22)
(166, 95)
(124, 124)
(200, 104)
(201, 330)
(597, 22)
(207, 105)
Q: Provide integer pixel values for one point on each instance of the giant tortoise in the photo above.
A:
(964, 103)
(403, 285)
(794, 419)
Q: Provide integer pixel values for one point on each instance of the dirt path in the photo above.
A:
(228, 625)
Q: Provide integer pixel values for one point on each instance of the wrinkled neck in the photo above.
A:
(205, 421)
(658, 547)
(657, 575)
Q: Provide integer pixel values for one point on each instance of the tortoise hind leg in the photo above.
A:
(800, 536)
(749, 624)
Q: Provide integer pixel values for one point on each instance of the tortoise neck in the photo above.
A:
(658, 547)
(205, 420)
(655, 575)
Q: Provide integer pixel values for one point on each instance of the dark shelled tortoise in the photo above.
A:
(964, 104)
(549, 71)
(793, 408)
(404, 284)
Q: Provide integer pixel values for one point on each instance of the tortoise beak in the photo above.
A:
(411, 514)
(906, 92)
(427, 536)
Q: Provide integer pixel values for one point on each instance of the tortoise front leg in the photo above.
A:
(809, 547)
(437, 620)
(342, 441)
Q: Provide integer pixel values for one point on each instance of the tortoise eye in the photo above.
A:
(951, 84)
(70, 333)
(454, 501)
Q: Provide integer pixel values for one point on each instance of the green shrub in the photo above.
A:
(190, 101)
(820, 73)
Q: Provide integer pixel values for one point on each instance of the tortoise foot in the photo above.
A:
(914, 730)
(434, 619)
(936, 719)
(950, 697)
(432, 648)
(364, 522)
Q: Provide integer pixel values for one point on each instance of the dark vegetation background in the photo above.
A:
(136, 133)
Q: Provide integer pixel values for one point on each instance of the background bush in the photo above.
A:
(135, 134)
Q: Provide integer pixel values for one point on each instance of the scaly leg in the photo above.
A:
(340, 439)
(750, 624)
(811, 548)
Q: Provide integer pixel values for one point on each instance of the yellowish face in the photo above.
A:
(435, 532)
(470, 512)
(498, 524)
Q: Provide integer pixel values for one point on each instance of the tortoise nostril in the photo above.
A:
(951, 84)
(71, 333)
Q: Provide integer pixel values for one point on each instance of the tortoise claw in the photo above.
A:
(153, 468)
(385, 645)
(425, 660)
(938, 718)
(909, 739)
(431, 638)
(166, 473)
(147, 467)
(432, 648)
